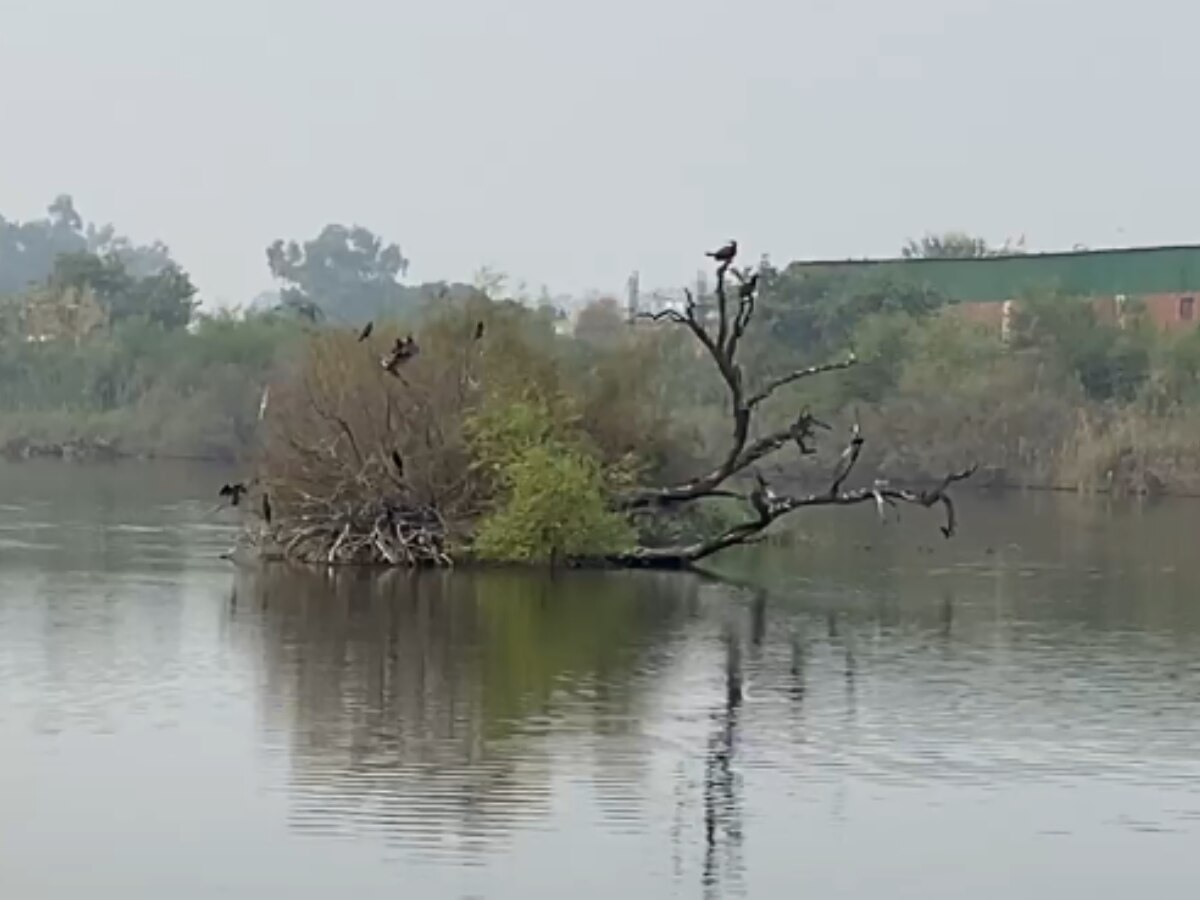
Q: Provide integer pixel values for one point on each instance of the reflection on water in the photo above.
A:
(435, 708)
(861, 713)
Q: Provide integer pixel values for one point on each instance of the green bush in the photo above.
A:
(552, 493)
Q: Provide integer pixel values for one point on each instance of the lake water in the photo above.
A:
(1014, 713)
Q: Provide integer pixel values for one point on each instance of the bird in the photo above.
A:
(846, 461)
(479, 331)
(366, 332)
(404, 349)
(748, 287)
(266, 508)
(881, 500)
(761, 496)
(724, 254)
(398, 462)
(233, 492)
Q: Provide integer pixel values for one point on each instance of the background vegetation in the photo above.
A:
(101, 342)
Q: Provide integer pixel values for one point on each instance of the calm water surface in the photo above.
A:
(1012, 714)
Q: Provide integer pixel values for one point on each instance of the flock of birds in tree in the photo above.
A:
(402, 351)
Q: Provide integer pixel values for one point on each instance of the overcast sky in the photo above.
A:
(568, 143)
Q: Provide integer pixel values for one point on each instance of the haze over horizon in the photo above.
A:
(568, 144)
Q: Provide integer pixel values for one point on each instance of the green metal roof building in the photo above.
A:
(1132, 271)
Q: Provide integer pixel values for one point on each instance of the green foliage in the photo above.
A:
(164, 298)
(1110, 361)
(884, 343)
(180, 392)
(553, 492)
(348, 272)
(812, 312)
(30, 250)
(1175, 373)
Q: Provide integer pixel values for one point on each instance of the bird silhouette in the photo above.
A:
(748, 287)
(403, 350)
(366, 332)
(761, 496)
(398, 462)
(724, 254)
(266, 508)
(233, 492)
(479, 331)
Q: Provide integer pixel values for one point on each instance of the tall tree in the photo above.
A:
(29, 250)
(348, 272)
(165, 298)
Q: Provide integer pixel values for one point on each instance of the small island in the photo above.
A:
(476, 440)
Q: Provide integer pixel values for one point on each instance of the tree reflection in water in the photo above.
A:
(432, 706)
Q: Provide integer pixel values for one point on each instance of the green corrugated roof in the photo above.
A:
(1134, 270)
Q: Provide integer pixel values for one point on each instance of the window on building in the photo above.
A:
(1187, 308)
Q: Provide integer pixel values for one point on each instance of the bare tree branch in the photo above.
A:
(796, 375)
(723, 351)
(779, 506)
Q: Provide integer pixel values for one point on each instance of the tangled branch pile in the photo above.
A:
(492, 437)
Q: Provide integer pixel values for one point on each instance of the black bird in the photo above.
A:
(724, 254)
(403, 350)
(398, 462)
(366, 332)
(479, 331)
(761, 496)
(748, 287)
(266, 508)
(233, 492)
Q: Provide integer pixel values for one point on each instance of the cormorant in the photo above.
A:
(233, 492)
(761, 496)
(366, 332)
(725, 254)
(403, 350)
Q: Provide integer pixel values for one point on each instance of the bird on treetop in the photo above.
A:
(725, 254)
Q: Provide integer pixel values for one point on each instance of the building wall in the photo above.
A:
(1168, 311)
(1096, 273)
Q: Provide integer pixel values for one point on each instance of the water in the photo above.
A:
(874, 712)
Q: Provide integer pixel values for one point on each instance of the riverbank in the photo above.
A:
(184, 433)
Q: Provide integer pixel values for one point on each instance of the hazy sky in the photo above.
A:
(569, 143)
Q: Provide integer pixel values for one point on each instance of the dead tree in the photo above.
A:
(733, 317)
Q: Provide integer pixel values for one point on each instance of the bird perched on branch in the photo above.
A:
(479, 331)
(724, 254)
(849, 456)
(398, 462)
(403, 350)
(233, 492)
(762, 496)
(748, 287)
(366, 332)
